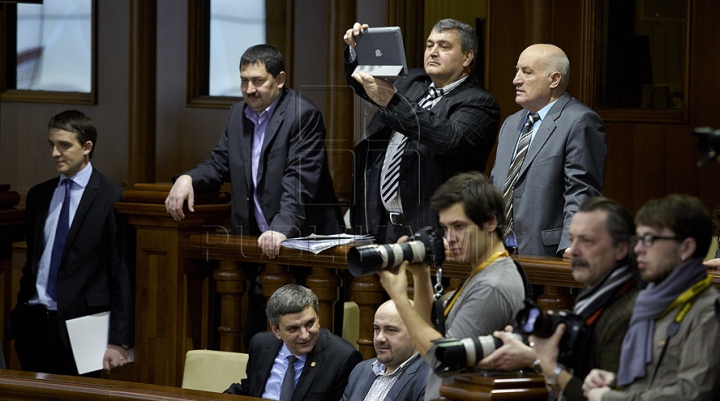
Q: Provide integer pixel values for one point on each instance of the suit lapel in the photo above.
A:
(91, 192)
(313, 364)
(404, 378)
(265, 364)
(545, 130)
(273, 127)
(508, 147)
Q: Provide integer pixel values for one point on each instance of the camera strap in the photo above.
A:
(477, 270)
(687, 299)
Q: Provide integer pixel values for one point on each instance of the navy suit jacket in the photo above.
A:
(294, 186)
(323, 378)
(97, 269)
(410, 386)
(564, 165)
(455, 136)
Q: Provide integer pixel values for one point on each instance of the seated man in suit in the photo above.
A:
(298, 360)
(398, 373)
(80, 255)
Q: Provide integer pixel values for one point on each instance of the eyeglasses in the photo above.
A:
(648, 240)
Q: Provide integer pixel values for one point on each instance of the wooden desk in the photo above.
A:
(27, 386)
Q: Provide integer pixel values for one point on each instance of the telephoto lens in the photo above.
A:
(456, 354)
(367, 259)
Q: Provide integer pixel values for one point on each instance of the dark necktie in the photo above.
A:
(288, 384)
(61, 233)
(514, 171)
(391, 167)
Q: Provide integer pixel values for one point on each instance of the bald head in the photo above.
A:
(391, 338)
(542, 76)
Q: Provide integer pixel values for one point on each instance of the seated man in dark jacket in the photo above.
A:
(297, 360)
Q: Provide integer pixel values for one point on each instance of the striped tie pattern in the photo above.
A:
(514, 171)
(390, 177)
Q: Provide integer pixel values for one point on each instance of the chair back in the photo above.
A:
(214, 371)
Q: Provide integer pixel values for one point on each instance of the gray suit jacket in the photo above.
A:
(410, 386)
(564, 165)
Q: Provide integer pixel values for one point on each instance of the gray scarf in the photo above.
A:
(651, 302)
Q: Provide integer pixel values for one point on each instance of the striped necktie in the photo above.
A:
(514, 171)
(390, 176)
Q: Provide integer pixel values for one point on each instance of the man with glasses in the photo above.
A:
(667, 353)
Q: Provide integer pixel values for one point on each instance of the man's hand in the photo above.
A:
(269, 242)
(712, 263)
(596, 393)
(115, 357)
(395, 284)
(597, 379)
(567, 253)
(546, 349)
(379, 91)
(512, 355)
(351, 33)
(181, 190)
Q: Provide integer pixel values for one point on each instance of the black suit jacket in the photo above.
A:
(323, 378)
(455, 136)
(295, 189)
(97, 269)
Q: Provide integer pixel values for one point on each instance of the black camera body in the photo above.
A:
(427, 247)
(533, 320)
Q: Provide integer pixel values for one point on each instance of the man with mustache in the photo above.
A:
(600, 233)
(273, 154)
(429, 126)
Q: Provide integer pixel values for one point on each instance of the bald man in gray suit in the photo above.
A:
(564, 163)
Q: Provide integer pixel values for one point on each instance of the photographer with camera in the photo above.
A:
(600, 233)
(667, 353)
(471, 211)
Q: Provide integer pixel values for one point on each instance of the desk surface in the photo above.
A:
(17, 385)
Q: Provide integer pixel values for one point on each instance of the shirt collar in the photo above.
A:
(80, 179)
(265, 115)
(379, 368)
(449, 87)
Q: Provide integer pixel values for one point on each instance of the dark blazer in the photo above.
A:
(564, 165)
(455, 136)
(97, 270)
(410, 386)
(295, 189)
(323, 378)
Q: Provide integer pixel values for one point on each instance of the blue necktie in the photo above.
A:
(61, 233)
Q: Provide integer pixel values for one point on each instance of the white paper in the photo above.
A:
(318, 243)
(89, 340)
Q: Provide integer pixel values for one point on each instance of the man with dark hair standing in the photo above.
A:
(296, 360)
(471, 211)
(600, 235)
(667, 353)
(273, 154)
(80, 256)
(550, 155)
(429, 126)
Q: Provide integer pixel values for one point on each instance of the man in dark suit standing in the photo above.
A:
(297, 360)
(273, 154)
(550, 155)
(80, 256)
(398, 373)
(429, 126)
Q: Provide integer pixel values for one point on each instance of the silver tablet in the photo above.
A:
(380, 53)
